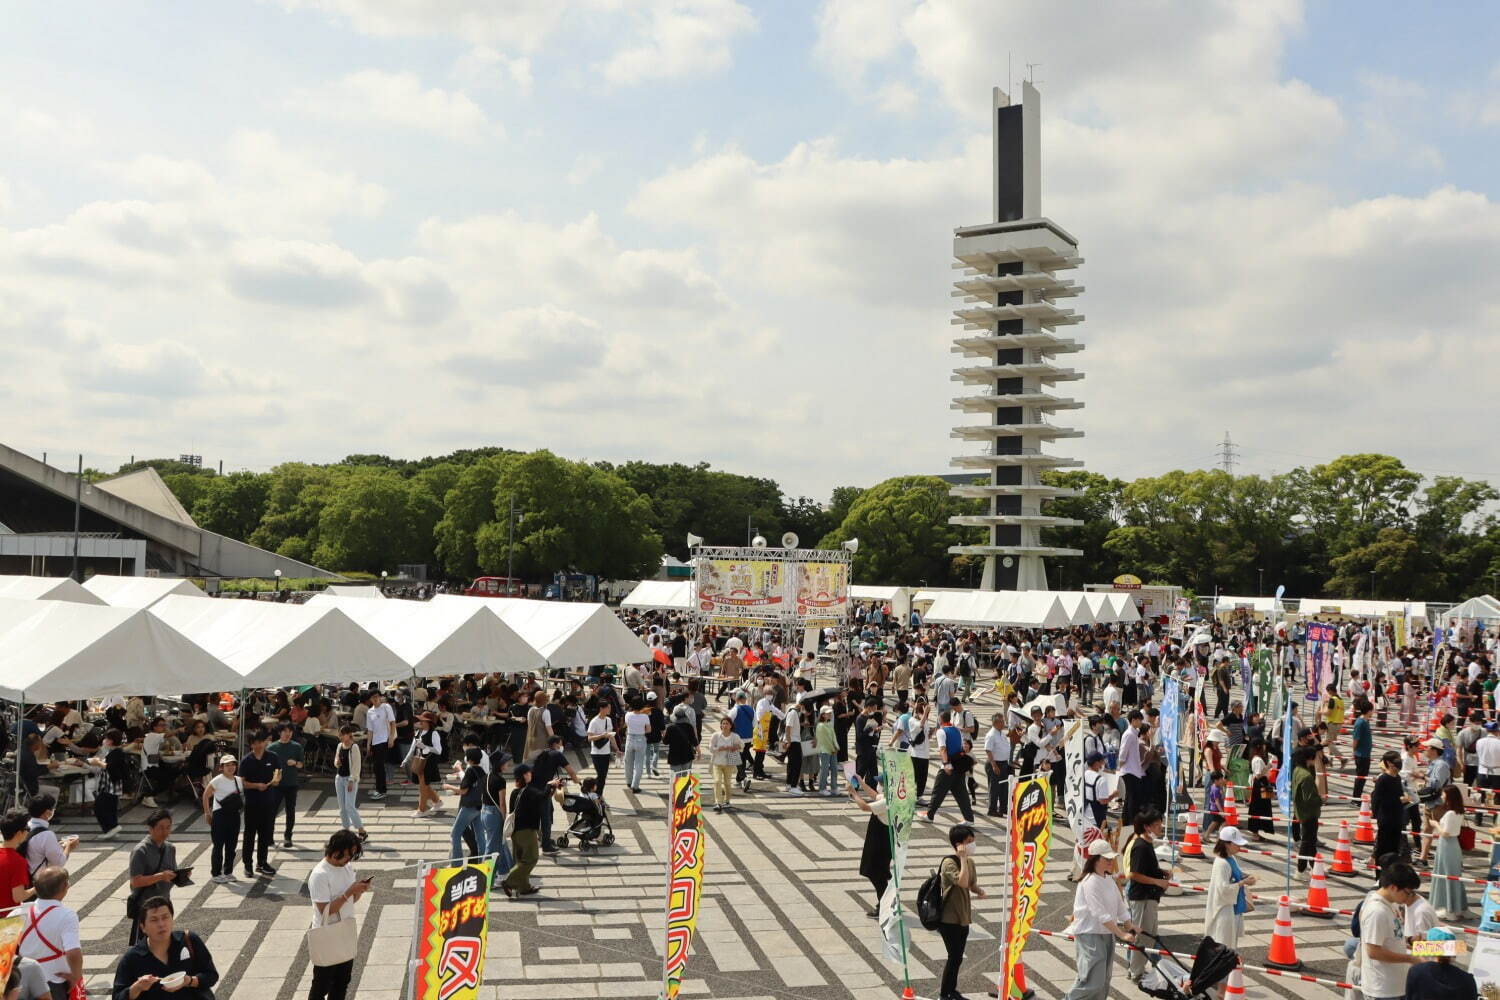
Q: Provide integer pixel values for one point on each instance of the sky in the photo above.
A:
(721, 230)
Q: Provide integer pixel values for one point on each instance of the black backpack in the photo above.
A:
(930, 898)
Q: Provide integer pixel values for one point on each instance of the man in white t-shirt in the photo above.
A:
(334, 888)
(380, 723)
(49, 931)
(997, 767)
(603, 743)
(1384, 959)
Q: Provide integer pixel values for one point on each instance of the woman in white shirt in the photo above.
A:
(637, 725)
(1099, 913)
(725, 746)
(1227, 902)
(603, 744)
(791, 741)
(223, 798)
(1447, 894)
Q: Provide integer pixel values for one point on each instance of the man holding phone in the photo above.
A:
(334, 887)
(153, 867)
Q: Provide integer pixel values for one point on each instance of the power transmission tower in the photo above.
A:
(1227, 454)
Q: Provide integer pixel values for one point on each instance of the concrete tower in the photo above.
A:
(1010, 289)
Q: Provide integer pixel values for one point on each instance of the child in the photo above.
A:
(1213, 804)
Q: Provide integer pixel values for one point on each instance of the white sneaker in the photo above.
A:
(795, 791)
(110, 834)
(229, 877)
(220, 879)
(148, 802)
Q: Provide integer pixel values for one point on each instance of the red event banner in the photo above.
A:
(452, 931)
(685, 885)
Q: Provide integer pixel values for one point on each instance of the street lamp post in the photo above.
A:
(382, 581)
(1372, 585)
(277, 575)
(1260, 588)
(510, 550)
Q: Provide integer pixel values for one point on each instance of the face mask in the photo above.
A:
(969, 849)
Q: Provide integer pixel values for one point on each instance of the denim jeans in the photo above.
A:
(465, 819)
(635, 760)
(827, 767)
(653, 750)
(348, 815)
(491, 824)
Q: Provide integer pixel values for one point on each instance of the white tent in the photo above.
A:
(1264, 607)
(45, 588)
(1022, 609)
(899, 598)
(440, 637)
(62, 650)
(1485, 607)
(368, 592)
(137, 591)
(660, 595)
(280, 645)
(1076, 604)
(568, 634)
(1124, 605)
(1311, 607)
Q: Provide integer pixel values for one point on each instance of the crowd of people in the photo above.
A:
(759, 716)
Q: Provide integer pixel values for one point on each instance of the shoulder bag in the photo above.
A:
(335, 943)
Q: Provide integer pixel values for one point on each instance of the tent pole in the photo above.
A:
(20, 721)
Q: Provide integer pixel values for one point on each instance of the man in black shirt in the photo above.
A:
(1388, 806)
(527, 803)
(867, 730)
(260, 775)
(547, 766)
(1147, 881)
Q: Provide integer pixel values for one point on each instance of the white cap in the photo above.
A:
(1100, 849)
(1434, 743)
(1232, 835)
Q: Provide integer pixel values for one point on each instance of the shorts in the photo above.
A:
(1489, 781)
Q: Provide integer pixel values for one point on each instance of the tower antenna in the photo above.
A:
(1227, 454)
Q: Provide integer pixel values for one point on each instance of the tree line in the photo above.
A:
(1359, 526)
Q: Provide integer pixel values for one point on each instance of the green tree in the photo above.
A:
(468, 505)
(719, 506)
(294, 505)
(576, 517)
(904, 534)
(1097, 506)
(233, 505)
(1392, 567)
(187, 487)
(376, 520)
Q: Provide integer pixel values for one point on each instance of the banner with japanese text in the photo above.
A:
(453, 929)
(1030, 839)
(1320, 639)
(820, 590)
(685, 882)
(743, 589)
(899, 785)
(1171, 726)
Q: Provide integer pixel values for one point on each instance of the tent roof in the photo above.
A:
(661, 595)
(367, 592)
(932, 593)
(443, 637)
(48, 588)
(62, 650)
(859, 592)
(1475, 607)
(1360, 609)
(568, 634)
(1023, 609)
(137, 591)
(1125, 607)
(1261, 605)
(279, 645)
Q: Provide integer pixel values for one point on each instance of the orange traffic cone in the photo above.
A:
(1283, 953)
(1364, 830)
(1343, 859)
(1192, 844)
(1231, 811)
(1317, 890)
(1236, 985)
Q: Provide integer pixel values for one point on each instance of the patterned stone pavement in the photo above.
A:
(784, 913)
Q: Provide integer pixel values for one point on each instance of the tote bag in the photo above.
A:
(333, 944)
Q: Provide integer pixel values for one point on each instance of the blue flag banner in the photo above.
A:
(1284, 773)
(1171, 713)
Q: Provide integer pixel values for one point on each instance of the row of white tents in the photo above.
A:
(128, 635)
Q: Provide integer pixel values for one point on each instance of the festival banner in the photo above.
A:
(453, 930)
(10, 939)
(1180, 617)
(1171, 726)
(820, 590)
(1073, 768)
(1320, 639)
(1284, 767)
(1030, 839)
(742, 589)
(1265, 678)
(898, 779)
(1245, 679)
(685, 884)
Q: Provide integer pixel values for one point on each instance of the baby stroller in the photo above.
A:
(590, 823)
(1168, 980)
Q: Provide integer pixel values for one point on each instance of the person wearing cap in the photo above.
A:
(223, 798)
(1226, 904)
(1099, 913)
(1440, 979)
(426, 756)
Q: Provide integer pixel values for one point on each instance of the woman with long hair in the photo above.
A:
(1448, 895)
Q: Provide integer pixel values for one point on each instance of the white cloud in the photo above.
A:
(486, 67)
(397, 99)
(585, 167)
(23, 127)
(676, 38)
(853, 34)
(521, 24)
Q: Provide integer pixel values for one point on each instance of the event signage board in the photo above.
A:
(742, 588)
(820, 590)
(1180, 617)
(1284, 767)
(685, 881)
(1073, 768)
(453, 930)
(1030, 839)
(899, 781)
(1265, 677)
(758, 586)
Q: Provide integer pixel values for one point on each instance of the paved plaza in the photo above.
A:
(784, 913)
